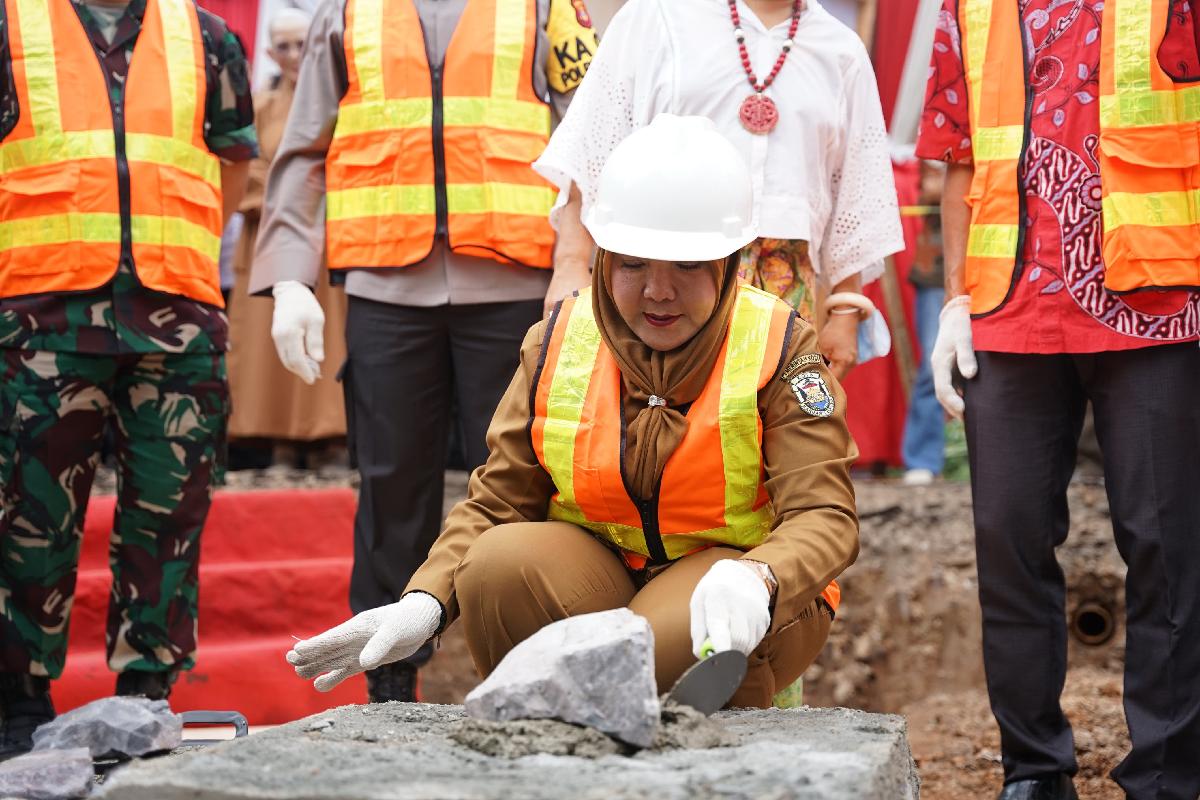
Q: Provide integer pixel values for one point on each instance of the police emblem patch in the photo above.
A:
(813, 393)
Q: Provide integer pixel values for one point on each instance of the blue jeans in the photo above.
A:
(924, 430)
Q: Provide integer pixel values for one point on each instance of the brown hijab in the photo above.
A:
(676, 376)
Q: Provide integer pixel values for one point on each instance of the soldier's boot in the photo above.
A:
(396, 681)
(24, 705)
(154, 685)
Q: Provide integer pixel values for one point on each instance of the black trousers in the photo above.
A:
(1023, 419)
(407, 368)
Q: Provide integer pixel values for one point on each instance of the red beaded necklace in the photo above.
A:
(758, 112)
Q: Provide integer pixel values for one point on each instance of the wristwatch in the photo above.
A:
(763, 571)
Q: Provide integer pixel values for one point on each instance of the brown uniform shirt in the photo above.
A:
(807, 458)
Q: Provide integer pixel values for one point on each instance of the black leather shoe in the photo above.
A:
(24, 705)
(154, 685)
(396, 681)
(1048, 787)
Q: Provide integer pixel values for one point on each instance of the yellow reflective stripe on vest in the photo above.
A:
(417, 112)
(978, 17)
(998, 144)
(749, 332)
(78, 145)
(509, 48)
(461, 198)
(1137, 108)
(41, 73)
(367, 34)
(60, 229)
(181, 67)
(1136, 104)
(386, 115)
(567, 395)
(992, 241)
(1131, 69)
(175, 232)
(1157, 209)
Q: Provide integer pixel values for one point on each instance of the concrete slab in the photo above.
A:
(403, 752)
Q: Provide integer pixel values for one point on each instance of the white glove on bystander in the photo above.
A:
(298, 328)
(378, 636)
(731, 607)
(953, 346)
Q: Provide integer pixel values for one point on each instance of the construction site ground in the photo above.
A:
(907, 638)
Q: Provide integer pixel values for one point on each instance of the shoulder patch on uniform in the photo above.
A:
(800, 361)
(813, 394)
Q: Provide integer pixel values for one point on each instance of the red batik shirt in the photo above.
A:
(1060, 304)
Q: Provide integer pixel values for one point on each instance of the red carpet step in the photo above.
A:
(273, 565)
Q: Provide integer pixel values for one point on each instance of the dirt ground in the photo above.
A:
(907, 638)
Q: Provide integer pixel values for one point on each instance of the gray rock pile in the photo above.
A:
(124, 727)
(47, 775)
(595, 670)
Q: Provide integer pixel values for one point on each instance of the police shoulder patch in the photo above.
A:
(800, 361)
(813, 393)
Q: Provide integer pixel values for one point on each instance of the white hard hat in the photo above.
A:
(676, 190)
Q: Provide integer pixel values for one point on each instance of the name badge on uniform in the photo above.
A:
(813, 393)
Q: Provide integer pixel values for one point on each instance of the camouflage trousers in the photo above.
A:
(167, 415)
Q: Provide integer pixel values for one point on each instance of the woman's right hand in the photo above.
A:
(377, 636)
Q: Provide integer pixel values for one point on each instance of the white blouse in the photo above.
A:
(823, 175)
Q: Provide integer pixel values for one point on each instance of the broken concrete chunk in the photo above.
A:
(595, 670)
(114, 726)
(47, 775)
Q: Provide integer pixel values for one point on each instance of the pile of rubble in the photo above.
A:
(113, 729)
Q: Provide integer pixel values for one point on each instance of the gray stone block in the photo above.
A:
(47, 775)
(122, 726)
(398, 751)
(594, 669)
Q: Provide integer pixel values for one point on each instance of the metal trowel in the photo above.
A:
(708, 684)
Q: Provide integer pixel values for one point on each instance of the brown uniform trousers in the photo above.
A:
(519, 577)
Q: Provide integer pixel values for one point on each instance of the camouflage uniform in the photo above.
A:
(167, 412)
(148, 367)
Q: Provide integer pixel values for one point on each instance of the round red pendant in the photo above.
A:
(759, 114)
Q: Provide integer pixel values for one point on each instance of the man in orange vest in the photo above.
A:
(407, 160)
(1072, 254)
(126, 127)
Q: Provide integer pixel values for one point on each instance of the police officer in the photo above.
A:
(407, 161)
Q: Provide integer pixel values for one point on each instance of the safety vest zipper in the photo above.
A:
(123, 190)
(439, 157)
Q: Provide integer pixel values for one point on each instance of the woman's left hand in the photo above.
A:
(731, 607)
(838, 340)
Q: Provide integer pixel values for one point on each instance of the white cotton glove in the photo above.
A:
(378, 636)
(953, 346)
(731, 607)
(298, 328)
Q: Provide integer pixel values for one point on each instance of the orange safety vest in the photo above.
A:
(712, 491)
(1149, 152)
(420, 152)
(79, 191)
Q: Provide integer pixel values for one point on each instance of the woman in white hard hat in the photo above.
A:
(672, 443)
(795, 92)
